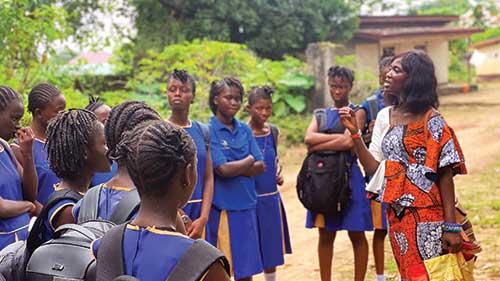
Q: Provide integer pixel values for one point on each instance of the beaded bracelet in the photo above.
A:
(452, 227)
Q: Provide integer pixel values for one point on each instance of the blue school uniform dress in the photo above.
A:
(15, 228)
(193, 207)
(232, 225)
(100, 178)
(378, 209)
(357, 216)
(47, 180)
(150, 253)
(48, 227)
(273, 227)
(109, 198)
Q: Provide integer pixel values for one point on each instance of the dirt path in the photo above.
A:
(471, 115)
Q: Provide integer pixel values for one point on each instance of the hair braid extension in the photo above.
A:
(184, 77)
(41, 95)
(342, 72)
(156, 152)
(124, 118)
(8, 95)
(219, 85)
(94, 103)
(258, 93)
(68, 135)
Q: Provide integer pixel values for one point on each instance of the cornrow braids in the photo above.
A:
(219, 85)
(8, 95)
(123, 118)
(156, 150)
(41, 95)
(68, 135)
(258, 93)
(184, 77)
(94, 103)
(342, 72)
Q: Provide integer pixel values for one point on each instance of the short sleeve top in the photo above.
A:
(236, 193)
(415, 152)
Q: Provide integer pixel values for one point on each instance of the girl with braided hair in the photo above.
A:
(44, 102)
(102, 111)
(123, 118)
(181, 89)
(76, 150)
(18, 185)
(331, 135)
(271, 217)
(237, 159)
(161, 159)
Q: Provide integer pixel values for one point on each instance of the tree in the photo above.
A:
(272, 28)
(27, 31)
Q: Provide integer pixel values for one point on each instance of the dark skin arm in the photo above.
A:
(235, 168)
(216, 272)
(195, 230)
(257, 168)
(331, 141)
(348, 118)
(27, 170)
(64, 216)
(11, 208)
(451, 241)
(317, 141)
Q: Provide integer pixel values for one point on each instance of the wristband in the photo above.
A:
(357, 135)
(452, 227)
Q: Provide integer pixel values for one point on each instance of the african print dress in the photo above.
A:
(414, 153)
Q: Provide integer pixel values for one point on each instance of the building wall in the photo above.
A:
(435, 47)
(491, 64)
(367, 56)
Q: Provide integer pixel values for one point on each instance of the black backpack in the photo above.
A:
(323, 181)
(192, 266)
(68, 255)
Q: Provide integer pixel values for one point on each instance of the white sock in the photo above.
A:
(270, 276)
(380, 277)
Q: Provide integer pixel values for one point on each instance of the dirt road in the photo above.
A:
(475, 119)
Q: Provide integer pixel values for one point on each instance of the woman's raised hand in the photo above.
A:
(348, 119)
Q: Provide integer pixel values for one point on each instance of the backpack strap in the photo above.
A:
(205, 131)
(36, 236)
(110, 254)
(373, 106)
(126, 207)
(320, 115)
(275, 132)
(89, 209)
(196, 261)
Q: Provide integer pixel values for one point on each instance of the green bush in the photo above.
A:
(210, 60)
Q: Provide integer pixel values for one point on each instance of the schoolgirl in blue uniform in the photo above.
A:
(364, 116)
(123, 118)
(271, 217)
(102, 111)
(161, 159)
(357, 217)
(77, 150)
(44, 102)
(232, 225)
(181, 90)
(17, 185)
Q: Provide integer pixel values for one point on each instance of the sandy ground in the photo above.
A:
(475, 120)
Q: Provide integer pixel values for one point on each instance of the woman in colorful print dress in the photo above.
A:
(422, 156)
